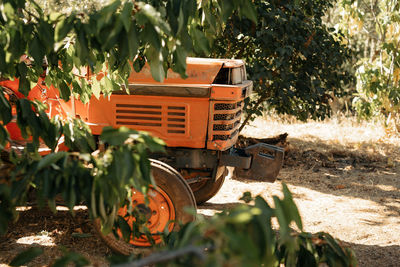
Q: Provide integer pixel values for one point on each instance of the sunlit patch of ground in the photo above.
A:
(345, 179)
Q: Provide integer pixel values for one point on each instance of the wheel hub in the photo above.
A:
(159, 213)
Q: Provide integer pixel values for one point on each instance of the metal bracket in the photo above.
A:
(236, 158)
(267, 161)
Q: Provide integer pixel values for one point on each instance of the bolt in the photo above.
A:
(186, 165)
(204, 165)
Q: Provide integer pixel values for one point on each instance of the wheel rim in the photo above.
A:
(160, 213)
(187, 175)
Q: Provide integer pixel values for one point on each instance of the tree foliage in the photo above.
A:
(115, 39)
(373, 28)
(294, 60)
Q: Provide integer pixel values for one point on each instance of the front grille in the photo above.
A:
(225, 120)
(167, 119)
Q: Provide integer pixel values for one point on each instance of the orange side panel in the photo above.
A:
(180, 122)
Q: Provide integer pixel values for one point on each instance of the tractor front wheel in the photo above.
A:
(165, 208)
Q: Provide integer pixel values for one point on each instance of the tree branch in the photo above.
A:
(253, 110)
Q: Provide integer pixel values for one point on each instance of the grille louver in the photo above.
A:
(164, 118)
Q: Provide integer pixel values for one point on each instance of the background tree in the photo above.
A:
(373, 28)
(295, 61)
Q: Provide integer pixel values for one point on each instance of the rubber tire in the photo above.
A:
(172, 183)
(210, 188)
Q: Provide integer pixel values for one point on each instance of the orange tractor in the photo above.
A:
(197, 117)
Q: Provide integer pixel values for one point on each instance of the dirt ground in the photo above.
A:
(344, 176)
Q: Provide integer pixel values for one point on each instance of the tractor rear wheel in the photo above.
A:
(165, 209)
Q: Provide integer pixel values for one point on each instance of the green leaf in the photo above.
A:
(290, 207)
(151, 36)
(96, 89)
(65, 90)
(248, 9)
(201, 44)
(180, 55)
(133, 44)
(155, 60)
(126, 15)
(3, 136)
(150, 14)
(7, 11)
(116, 137)
(50, 159)
(139, 63)
(125, 228)
(227, 9)
(5, 109)
(153, 143)
(336, 247)
(24, 84)
(26, 256)
(306, 258)
(144, 164)
(280, 214)
(37, 50)
(63, 27)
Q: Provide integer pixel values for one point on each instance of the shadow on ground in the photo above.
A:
(378, 255)
(51, 231)
(366, 171)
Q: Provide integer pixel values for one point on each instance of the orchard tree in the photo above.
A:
(294, 60)
(373, 28)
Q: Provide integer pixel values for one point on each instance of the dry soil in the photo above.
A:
(344, 175)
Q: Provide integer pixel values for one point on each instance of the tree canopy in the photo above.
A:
(373, 30)
(295, 61)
